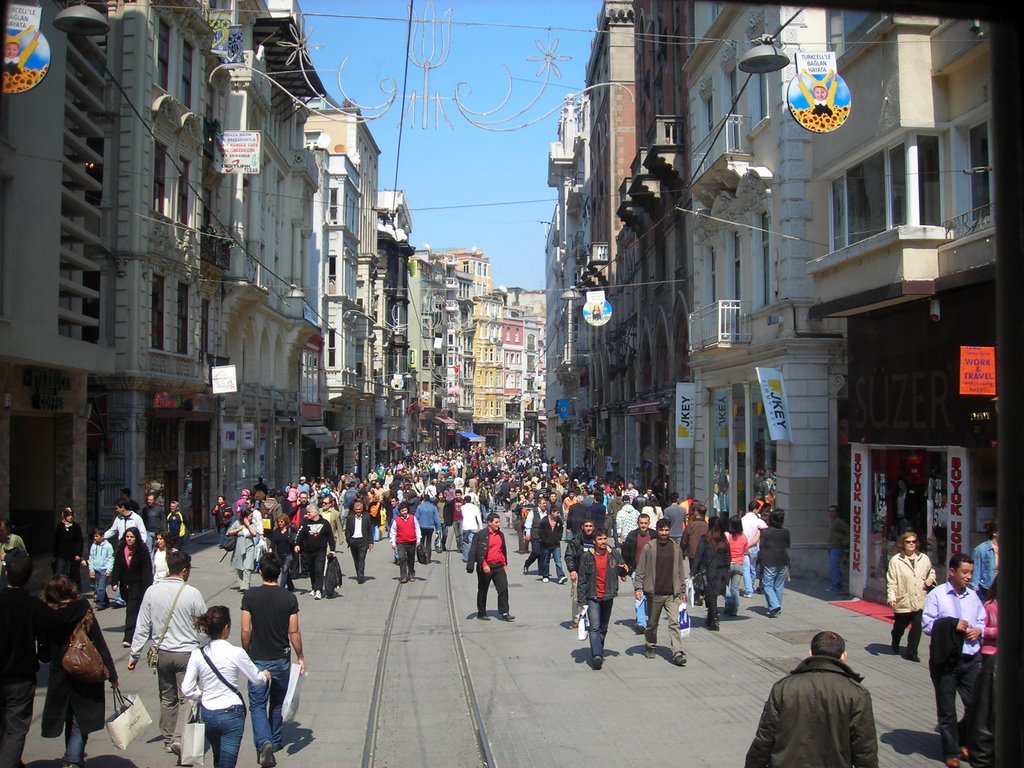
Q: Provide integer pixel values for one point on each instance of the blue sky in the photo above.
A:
(464, 184)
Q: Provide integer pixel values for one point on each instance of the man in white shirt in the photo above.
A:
(174, 604)
(752, 527)
(472, 521)
(125, 518)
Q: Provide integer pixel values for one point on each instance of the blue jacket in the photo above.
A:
(101, 557)
(984, 565)
(426, 515)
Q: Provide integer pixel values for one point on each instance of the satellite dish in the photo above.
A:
(502, 289)
(397, 382)
(323, 141)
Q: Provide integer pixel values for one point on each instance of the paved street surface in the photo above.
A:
(541, 702)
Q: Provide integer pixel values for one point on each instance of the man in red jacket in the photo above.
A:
(490, 556)
(405, 537)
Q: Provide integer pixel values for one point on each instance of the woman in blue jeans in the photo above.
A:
(212, 678)
(738, 547)
(774, 560)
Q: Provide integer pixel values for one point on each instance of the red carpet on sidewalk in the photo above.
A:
(868, 608)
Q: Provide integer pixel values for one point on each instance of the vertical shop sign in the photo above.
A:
(686, 395)
(860, 525)
(776, 406)
(959, 505)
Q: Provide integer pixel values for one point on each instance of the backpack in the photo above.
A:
(81, 659)
(229, 543)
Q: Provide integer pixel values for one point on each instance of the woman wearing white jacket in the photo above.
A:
(908, 579)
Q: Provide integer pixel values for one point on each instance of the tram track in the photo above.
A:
(401, 657)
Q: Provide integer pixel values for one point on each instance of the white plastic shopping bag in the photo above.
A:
(193, 739)
(583, 623)
(290, 707)
(130, 719)
(684, 620)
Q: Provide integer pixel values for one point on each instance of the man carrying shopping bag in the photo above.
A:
(661, 572)
(270, 623)
(598, 588)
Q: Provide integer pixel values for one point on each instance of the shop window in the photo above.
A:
(156, 324)
(763, 460)
(718, 419)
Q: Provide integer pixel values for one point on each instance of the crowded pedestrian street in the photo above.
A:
(540, 701)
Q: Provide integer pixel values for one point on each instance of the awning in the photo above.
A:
(473, 437)
(445, 420)
(644, 406)
(320, 436)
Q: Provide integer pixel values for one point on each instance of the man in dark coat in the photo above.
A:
(818, 715)
(489, 555)
(22, 619)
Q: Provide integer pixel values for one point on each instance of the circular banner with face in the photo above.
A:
(597, 313)
(818, 98)
(26, 51)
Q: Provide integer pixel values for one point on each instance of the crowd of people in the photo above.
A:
(598, 532)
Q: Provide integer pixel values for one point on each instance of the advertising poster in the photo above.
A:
(241, 151)
(818, 97)
(776, 406)
(26, 51)
(686, 397)
(597, 310)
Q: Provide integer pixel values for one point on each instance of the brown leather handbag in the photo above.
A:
(81, 659)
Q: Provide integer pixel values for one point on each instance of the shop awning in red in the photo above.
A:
(445, 420)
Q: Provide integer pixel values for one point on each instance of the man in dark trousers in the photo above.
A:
(405, 537)
(359, 535)
(819, 714)
(490, 556)
(270, 624)
(22, 618)
(954, 619)
(583, 541)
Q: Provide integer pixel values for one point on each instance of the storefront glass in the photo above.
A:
(739, 436)
(763, 459)
(719, 420)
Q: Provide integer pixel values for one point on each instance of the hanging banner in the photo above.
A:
(686, 397)
(229, 436)
(958, 503)
(26, 50)
(978, 371)
(222, 379)
(241, 151)
(562, 409)
(860, 489)
(776, 406)
(720, 418)
(596, 309)
(220, 23)
(818, 97)
(248, 436)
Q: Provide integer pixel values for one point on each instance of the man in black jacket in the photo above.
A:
(359, 535)
(22, 618)
(549, 533)
(573, 553)
(489, 555)
(597, 586)
(819, 714)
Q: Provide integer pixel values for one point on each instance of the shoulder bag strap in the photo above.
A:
(169, 614)
(221, 677)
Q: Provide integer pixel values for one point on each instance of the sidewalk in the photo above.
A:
(541, 702)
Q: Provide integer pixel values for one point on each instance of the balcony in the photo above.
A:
(644, 188)
(720, 325)
(451, 284)
(665, 157)
(451, 306)
(215, 250)
(303, 164)
(721, 159)
(629, 211)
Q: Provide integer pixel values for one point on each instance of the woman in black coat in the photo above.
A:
(712, 564)
(72, 707)
(131, 577)
(68, 546)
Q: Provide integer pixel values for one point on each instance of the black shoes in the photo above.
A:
(895, 647)
(507, 617)
(774, 613)
(526, 571)
(649, 653)
(483, 617)
(913, 657)
(679, 659)
(598, 662)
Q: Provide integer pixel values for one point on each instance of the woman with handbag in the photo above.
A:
(212, 679)
(908, 579)
(68, 546)
(131, 577)
(73, 707)
(711, 568)
(243, 559)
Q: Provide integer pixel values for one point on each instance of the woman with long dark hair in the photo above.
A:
(73, 707)
(68, 546)
(983, 721)
(738, 548)
(711, 564)
(211, 677)
(131, 577)
(282, 543)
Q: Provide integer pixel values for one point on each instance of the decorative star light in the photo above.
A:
(299, 48)
(548, 58)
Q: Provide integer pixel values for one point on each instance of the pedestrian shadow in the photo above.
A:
(296, 737)
(100, 761)
(906, 742)
(582, 655)
(879, 649)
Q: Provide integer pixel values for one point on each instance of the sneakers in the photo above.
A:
(563, 580)
(746, 594)
(173, 748)
(598, 662)
(483, 617)
(317, 594)
(774, 613)
(545, 579)
(126, 644)
(679, 659)
(267, 759)
(649, 653)
(507, 617)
